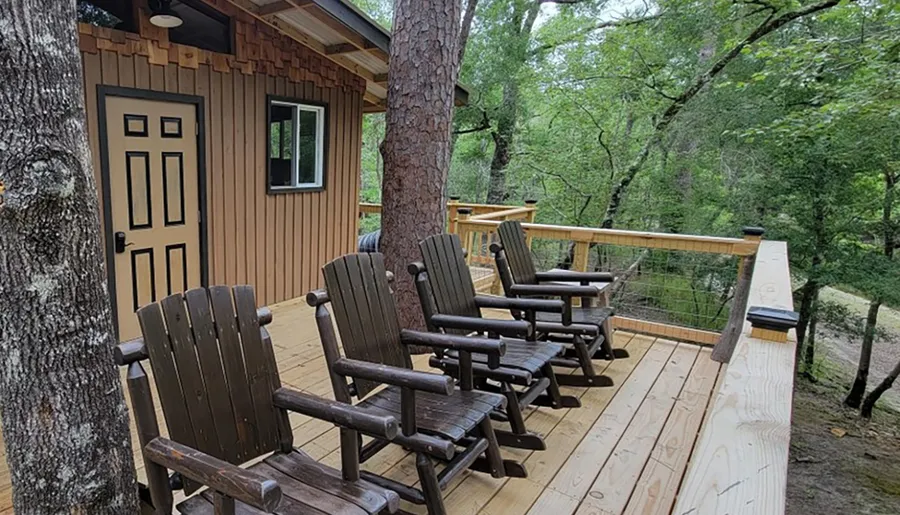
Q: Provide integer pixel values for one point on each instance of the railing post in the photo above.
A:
(530, 218)
(451, 214)
(580, 261)
(465, 235)
(732, 332)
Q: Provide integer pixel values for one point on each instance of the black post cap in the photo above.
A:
(531, 201)
(753, 231)
(455, 197)
(772, 318)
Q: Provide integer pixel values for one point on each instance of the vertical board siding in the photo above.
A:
(277, 243)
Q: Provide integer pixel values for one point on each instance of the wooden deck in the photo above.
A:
(624, 451)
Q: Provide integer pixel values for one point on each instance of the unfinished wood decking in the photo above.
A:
(624, 451)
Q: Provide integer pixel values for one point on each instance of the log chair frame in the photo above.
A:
(586, 329)
(393, 367)
(451, 305)
(195, 421)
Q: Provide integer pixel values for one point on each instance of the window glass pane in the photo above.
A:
(280, 120)
(203, 27)
(308, 124)
(287, 140)
(113, 14)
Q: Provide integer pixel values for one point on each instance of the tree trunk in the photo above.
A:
(65, 423)
(508, 114)
(865, 352)
(869, 403)
(465, 29)
(865, 357)
(506, 126)
(416, 149)
(809, 354)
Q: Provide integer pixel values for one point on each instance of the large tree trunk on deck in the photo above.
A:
(416, 149)
(65, 423)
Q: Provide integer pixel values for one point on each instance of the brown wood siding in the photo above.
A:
(277, 243)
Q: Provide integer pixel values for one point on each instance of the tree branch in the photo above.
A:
(609, 24)
(769, 25)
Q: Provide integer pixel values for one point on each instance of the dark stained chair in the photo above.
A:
(451, 306)
(520, 278)
(224, 405)
(437, 420)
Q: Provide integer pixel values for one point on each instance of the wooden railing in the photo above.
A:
(477, 224)
(477, 232)
(739, 465)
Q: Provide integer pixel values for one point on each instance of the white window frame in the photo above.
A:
(295, 185)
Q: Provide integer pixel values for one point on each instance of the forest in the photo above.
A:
(692, 117)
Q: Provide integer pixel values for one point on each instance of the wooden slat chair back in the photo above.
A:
(450, 278)
(521, 263)
(214, 375)
(365, 313)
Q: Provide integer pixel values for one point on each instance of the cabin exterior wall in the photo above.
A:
(275, 242)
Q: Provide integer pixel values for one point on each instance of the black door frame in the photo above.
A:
(104, 91)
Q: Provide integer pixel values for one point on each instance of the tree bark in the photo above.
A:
(465, 29)
(508, 114)
(416, 149)
(869, 403)
(769, 25)
(65, 423)
(809, 354)
(854, 398)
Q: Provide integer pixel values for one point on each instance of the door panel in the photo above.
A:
(154, 202)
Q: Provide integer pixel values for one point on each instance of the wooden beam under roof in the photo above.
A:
(292, 32)
(280, 6)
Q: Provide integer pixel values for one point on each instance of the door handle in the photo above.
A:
(119, 242)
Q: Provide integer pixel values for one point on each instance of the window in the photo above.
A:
(112, 14)
(202, 27)
(296, 145)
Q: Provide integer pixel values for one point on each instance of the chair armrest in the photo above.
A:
(575, 277)
(554, 290)
(511, 328)
(493, 348)
(221, 476)
(342, 414)
(541, 305)
(575, 329)
(422, 381)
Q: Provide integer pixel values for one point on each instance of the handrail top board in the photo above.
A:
(739, 465)
(503, 214)
(710, 244)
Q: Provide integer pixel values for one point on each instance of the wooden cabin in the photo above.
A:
(227, 149)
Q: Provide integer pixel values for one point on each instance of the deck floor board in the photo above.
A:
(624, 451)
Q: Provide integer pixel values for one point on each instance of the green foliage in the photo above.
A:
(795, 134)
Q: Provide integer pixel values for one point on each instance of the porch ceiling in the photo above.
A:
(342, 33)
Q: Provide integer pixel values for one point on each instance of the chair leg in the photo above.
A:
(584, 359)
(429, 482)
(492, 453)
(554, 398)
(513, 413)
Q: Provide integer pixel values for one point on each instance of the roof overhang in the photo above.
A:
(340, 32)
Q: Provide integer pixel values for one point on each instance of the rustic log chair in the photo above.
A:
(520, 278)
(435, 416)
(451, 306)
(224, 405)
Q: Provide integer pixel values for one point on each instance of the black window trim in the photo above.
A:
(278, 190)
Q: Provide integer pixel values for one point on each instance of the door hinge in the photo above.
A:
(196, 129)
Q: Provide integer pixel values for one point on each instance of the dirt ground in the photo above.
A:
(840, 464)
(857, 473)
